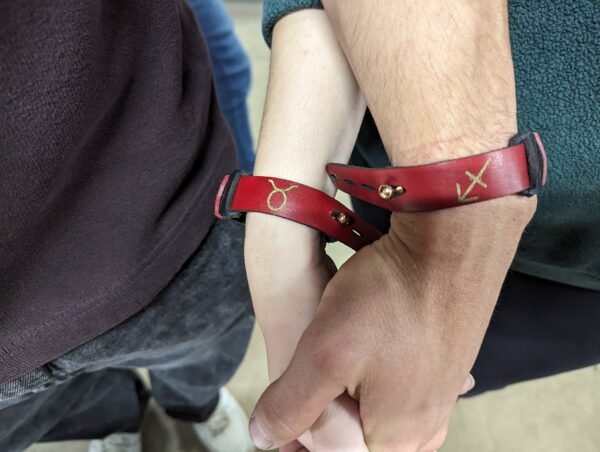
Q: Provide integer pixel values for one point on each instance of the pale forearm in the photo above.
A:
(313, 108)
(312, 115)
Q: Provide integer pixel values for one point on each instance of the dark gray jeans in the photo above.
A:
(192, 338)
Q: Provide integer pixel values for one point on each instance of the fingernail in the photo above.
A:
(472, 385)
(258, 435)
(468, 385)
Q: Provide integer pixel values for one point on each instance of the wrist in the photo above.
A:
(460, 232)
(308, 170)
(449, 255)
(272, 242)
(432, 148)
(449, 265)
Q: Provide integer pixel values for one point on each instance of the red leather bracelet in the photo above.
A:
(518, 169)
(240, 193)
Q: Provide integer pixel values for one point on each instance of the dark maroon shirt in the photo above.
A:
(111, 148)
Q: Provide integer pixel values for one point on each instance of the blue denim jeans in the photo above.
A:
(232, 74)
(192, 338)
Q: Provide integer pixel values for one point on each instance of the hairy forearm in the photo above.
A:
(438, 79)
(438, 76)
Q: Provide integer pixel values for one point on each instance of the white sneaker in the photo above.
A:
(117, 442)
(226, 430)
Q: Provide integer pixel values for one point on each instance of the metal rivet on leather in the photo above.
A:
(389, 191)
(341, 217)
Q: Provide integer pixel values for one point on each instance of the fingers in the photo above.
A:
(292, 404)
(294, 446)
(401, 422)
(338, 429)
(438, 439)
(467, 385)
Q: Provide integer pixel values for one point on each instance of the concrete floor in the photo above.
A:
(558, 414)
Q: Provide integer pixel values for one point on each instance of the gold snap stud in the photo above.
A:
(341, 218)
(389, 191)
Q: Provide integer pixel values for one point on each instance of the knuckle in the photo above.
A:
(330, 361)
(335, 353)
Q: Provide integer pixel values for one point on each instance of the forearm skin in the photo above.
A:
(312, 115)
(438, 79)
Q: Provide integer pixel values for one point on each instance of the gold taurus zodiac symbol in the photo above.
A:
(283, 192)
(475, 180)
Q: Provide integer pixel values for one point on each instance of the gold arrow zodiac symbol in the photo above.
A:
(283, 192)
(475, 180)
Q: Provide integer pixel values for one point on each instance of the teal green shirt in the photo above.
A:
(556, 52)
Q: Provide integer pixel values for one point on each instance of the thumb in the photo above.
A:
(292, 403)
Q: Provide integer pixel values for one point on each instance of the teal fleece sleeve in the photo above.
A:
(273, 10)
(556, 55)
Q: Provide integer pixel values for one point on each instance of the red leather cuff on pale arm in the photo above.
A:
(240, 193)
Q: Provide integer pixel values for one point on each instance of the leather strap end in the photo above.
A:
(537, 163)
(224, 199)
